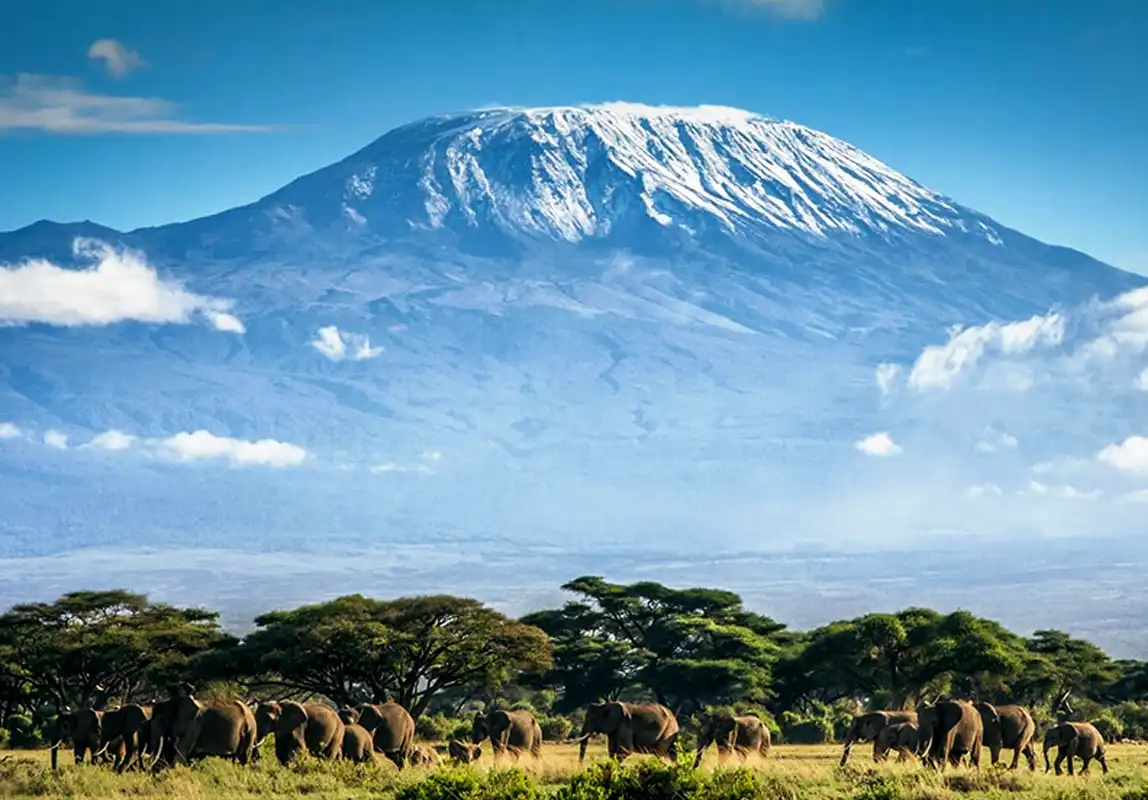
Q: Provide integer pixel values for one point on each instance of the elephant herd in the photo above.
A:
(182, 728)
(946, 731)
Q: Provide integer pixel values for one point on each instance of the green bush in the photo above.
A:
(656, 780)
(1134, 717)
(466, 784)
(4, 739)
(802, 729)
(440, 728)
(1109, 725)
(555, 729)
(22, 732)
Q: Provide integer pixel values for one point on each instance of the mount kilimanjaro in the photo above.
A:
(543, 342)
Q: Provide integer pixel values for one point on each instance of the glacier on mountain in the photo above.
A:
(696, 345)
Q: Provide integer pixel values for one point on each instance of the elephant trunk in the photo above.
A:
(55, 754)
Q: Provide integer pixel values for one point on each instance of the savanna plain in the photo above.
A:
(791, 772)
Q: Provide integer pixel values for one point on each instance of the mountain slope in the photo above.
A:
(508, 334)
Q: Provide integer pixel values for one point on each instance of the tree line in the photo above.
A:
(441, 657)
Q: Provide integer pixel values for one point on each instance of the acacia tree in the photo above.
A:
(684, 647)
(92, 645)
(355, 649)
(898, 658)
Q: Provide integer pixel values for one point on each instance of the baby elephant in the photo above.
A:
(1074, 739)
(464, 752)
(903, 737)
(423, 756)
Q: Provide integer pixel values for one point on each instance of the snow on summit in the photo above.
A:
(579, 172)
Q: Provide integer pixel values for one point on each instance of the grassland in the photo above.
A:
(792, 772)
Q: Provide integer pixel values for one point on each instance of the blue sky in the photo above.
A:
(1032, 112)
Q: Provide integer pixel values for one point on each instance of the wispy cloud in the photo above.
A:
(983, 490)
(785, 9)
(202, 445)
(117, 58)
(56, 440)
(424, 466)
(878, 444)
(54, 104)
(121, 286)
(111, 440)
(939, 366)
(8, 430)
(993, 441)
(342, 345)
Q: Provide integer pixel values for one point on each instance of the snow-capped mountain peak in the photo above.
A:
(573, 173)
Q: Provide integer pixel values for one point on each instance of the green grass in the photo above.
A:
(792, 772)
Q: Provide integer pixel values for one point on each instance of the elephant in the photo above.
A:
(422, 756)
(1014, 731)
(313, 727)
(194, 727)
(392, 729)
(131, 726)
(358, 745)
(866, 727)
(904, 737)
(1075, 739)
(514, 732)
(742, 735)
(83, 729)
(953, 729)
(266, 718)
(464, 752)
(631, 728)
(349, 715)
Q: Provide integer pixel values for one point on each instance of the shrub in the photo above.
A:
(466, 784)
(22, 732)
(440, 727)
(555, 729)
(1109, 725)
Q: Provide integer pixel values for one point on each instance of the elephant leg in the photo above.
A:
(1103, 763)
(1071, 756)
(1030, 756)
(1084, 762)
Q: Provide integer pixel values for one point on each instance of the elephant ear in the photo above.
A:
(619, 713)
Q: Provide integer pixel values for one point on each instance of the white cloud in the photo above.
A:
(222, 321)
(54, 104)
(8, 430)
(203, 445)
(1141, 381)
(878, 444)
(120, 286)
(1064, 492)
(117, 58)
(938, 366)
(885, 374)
(983, 490)
(111, 440)
(995, 440)
(787, 9)
(1131, 455)
(339, 345)
(54, 438)
(392, 467)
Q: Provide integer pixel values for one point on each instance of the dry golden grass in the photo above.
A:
(792, 772)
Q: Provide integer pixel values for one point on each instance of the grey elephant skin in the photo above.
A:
(358, 745)
(392, 730)
(130, 726)
(464, 752)
(953, 729)
(867, 727)
(902, 737)
(1073, 739)
(742, 735)
(83, 729)
(423, 756)
(631, 728)
(513, 732)
(224, 728)
(1008, 727)
(308, 727)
